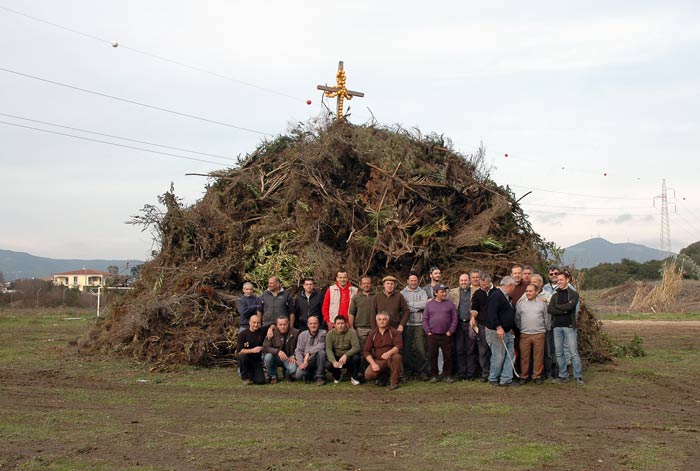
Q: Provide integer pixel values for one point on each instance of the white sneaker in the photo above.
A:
(336, 381)
(354, 382)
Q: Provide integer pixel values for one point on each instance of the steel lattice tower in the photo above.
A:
(665, 220)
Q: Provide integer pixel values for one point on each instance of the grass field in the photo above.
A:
(61, 411)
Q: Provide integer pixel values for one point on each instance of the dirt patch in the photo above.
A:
(636, 414)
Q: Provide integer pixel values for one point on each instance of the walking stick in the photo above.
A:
(512, 363)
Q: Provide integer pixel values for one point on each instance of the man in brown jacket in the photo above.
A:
(390, 302)
(382, 351)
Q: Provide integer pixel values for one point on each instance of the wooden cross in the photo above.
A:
(339, 91)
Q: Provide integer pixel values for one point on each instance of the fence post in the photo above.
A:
(99, 291)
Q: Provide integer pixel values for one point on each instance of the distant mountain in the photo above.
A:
(15, 265)
(592, 252)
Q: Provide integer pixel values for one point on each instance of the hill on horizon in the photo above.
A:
(18, 265)
(597, 250)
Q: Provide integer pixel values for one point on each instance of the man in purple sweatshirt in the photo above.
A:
(439, 323)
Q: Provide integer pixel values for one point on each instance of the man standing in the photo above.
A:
(479, 314)
(382, 350)
(533, 321)
(562, 307)
(248, 305)
(551, 287)
(390, 302)
(362, 310)
(415, 340)
(308, 303)
(517, 273)
(343, 351)
(527, 279)
(337, 298)
(499, 326)
(250, 344)
(551, 370)
(279, 350)
(311, 353)
(276, 302)
(439, 323)
(435, 277)
(465, 348)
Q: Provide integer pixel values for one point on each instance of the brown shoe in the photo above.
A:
(393, 387)
(247, 382)
(273, 380)
(320, 382)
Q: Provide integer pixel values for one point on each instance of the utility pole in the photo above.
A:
(665, 220)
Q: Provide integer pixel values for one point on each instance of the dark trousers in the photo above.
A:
(415, 350)
(551, 369)
(466, 351)
(393, 364)
(438, 342)
(316, 367)
(484, 351)
(251, 367)
(459, 341)
(352, 365)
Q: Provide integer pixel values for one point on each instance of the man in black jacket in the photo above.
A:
(308, 303)
(479, 313)
(562, 307)
(499, 333)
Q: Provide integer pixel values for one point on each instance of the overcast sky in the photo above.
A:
(598, 101)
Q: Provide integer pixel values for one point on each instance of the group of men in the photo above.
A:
(432, 333)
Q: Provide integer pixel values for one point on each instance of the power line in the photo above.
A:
(116, 137)
(580, 194)
(580, 207)
(133, 102)
(113, 144)
(150, 54)
(567, 213)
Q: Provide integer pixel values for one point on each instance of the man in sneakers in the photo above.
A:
(337, 298)
(382, 350)
(499, 333)
(532, 319)
(562, 307)
(415, 341)
(308, 303)
(250, 344)
(279, 350)
(311, 353)
(439, 323)
(343, 351)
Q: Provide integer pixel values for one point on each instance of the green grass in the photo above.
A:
(89, 412)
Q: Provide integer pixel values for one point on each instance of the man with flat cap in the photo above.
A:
(392, 303)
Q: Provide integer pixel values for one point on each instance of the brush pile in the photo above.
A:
(372, 200)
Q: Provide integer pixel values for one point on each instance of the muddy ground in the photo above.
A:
(62, 411)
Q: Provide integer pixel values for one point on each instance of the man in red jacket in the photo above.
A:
(337, 299)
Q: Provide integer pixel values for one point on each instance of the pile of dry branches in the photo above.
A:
(373, 200)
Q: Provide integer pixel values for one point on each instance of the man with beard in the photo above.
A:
(435, 276)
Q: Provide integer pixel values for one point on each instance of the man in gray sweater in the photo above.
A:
(532, 319)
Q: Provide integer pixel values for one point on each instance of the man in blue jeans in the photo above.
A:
(278, 349)
(562, 307)
(499, 333)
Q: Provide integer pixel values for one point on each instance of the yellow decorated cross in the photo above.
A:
(340, 91)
